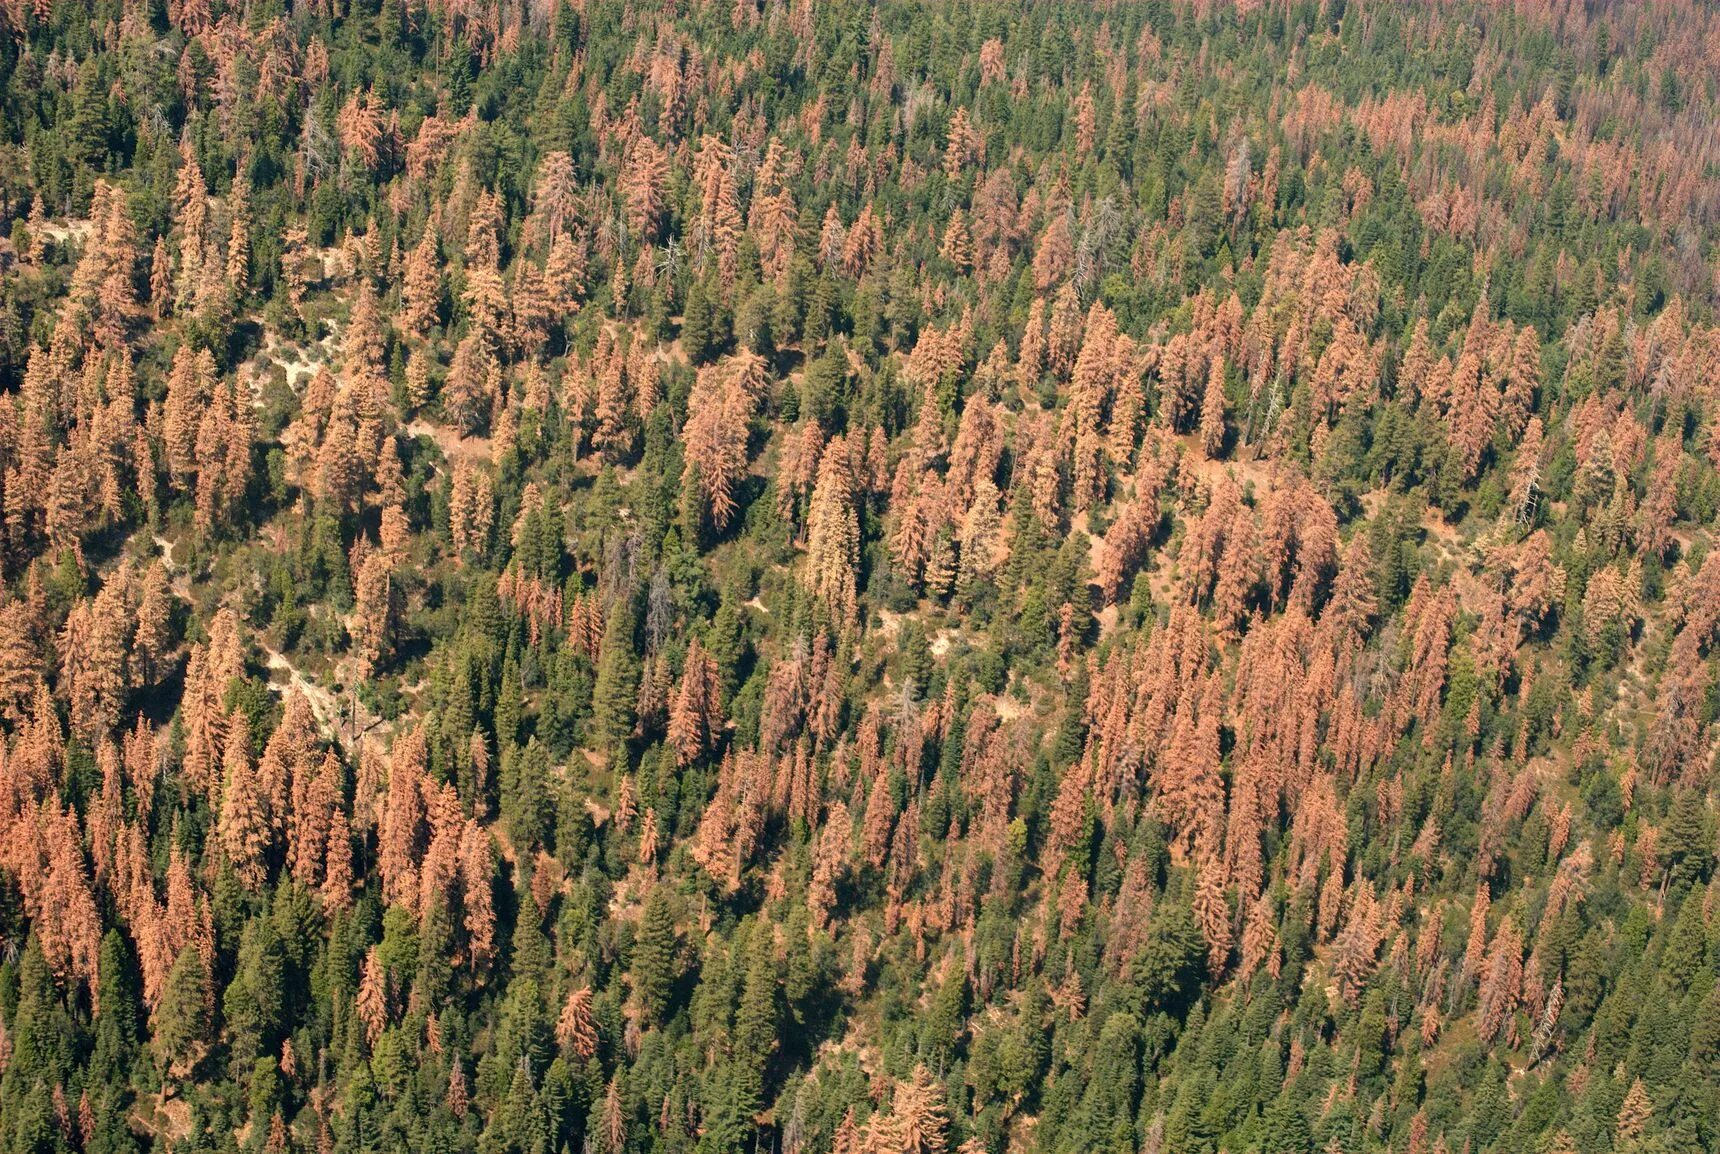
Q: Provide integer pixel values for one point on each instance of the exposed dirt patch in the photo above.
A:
(178, 580)
(1439, 529)
(162, 1118)
(297, 361)
(346, 720)
(1258, 474)
(1008, 708)
(1095, 546)
(454, 447)
(323, 702)
(66, 231)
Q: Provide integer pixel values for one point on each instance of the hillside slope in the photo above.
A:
(619, 577)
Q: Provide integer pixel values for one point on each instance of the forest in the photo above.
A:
(904, 577)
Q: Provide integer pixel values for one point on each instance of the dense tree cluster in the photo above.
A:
(885, 579)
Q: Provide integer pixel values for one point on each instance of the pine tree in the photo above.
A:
(375, 613)
(833, 538)
(616, 688)
(153, 639)
(190, 386)
(575, 1029)
(467, 394)
(1634, 1117)
(978, 538)
(21, 662)
(372, 1001)
(471, 511)
(695, 715)
(421, 287)
(1286, 1129)
(716, 442)
(92, 663)
(179, 1023)
(612, 437)
(457, 1096)
(756, 1028)
(918, 1123)
(477, 868)
(244, 817)
(239, 239)
(643, 176)
(555, 197)
(614, 1121)
(1212, 410)
(337, 871)
(653, 964)
(1502, 983)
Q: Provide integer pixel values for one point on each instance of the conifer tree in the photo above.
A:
(653, 966)
(178, 1025)
(244, 816)
(615, 690)
(833, 538)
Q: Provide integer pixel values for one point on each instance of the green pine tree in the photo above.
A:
(180, 1022)
(617, 687)
(653, 962)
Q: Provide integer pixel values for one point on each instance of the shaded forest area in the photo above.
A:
(902, 578)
